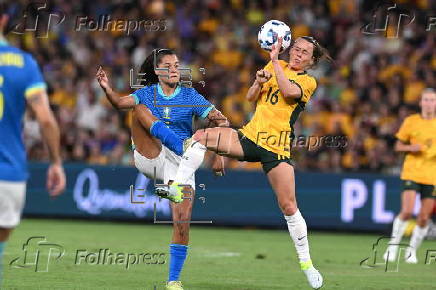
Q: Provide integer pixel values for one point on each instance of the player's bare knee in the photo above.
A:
(422, 220)
(405, 215)
(288, 208)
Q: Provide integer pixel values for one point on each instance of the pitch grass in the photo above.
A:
(219, 258)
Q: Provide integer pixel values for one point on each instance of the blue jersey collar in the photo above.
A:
(160, 91)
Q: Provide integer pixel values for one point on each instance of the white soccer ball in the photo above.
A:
(270, 32)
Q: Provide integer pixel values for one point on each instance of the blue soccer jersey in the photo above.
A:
(20, 77)
(177, 110)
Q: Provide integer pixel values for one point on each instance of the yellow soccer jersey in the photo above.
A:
(272, 124)
(419, 167)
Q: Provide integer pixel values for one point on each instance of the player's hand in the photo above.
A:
(275, 49)
(55, 179)
(102, 79)
(415, 148)
(262, 76)
(218, 166)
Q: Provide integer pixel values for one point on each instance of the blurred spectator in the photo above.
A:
(373, 85)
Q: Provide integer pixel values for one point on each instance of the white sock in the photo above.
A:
(190, 162)
(418, 236)
(298, 231)
(397, 230)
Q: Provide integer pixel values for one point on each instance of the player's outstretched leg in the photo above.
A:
(223, 141)
(149, 146)
(282, 181)
(400, 223)
(159, 130)
(420, 230)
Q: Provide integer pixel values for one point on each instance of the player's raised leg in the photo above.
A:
(150, 147)
(158, 129)
(223, 141)
(282, 181)
(400, 222)
(420, 230)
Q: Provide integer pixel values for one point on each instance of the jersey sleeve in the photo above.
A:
(404, 132)
(307, 86)
(141, 96)
(201, 106)
(35, 82)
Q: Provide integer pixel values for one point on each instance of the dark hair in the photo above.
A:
(150, 63)
(318, 50)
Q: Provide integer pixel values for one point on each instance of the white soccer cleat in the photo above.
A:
(314, 277)
(391, 253)
(410, 256)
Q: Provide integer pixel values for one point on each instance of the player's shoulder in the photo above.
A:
(15, 50)
(145, 90)
(189, 91)
(412, 118)
(307, 78)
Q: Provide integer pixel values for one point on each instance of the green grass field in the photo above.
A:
(219, 258)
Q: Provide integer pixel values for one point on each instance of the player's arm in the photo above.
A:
(39, 105)
(262, 76)
(403, 138)
(217, 119)
(287, 88)
(117, 101)
(401, 146)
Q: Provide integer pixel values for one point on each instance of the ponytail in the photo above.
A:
(319, 51)
(150, 63)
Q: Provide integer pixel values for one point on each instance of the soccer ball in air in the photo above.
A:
(270, 32)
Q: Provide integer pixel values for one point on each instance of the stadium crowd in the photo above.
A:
(373, 84)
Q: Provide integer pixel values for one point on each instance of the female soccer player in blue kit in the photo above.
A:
(162, 119)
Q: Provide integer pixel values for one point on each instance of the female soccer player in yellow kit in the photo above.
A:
(417, 138)
(281, 91)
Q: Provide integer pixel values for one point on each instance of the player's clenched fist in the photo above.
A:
(262, 76)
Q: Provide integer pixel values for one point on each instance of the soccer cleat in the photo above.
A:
(410, 256)
(173, 192)
(313, 275)
(391, 253)
(174, 285)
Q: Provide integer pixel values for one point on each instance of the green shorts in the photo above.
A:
(255, 153)
(426, 190)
